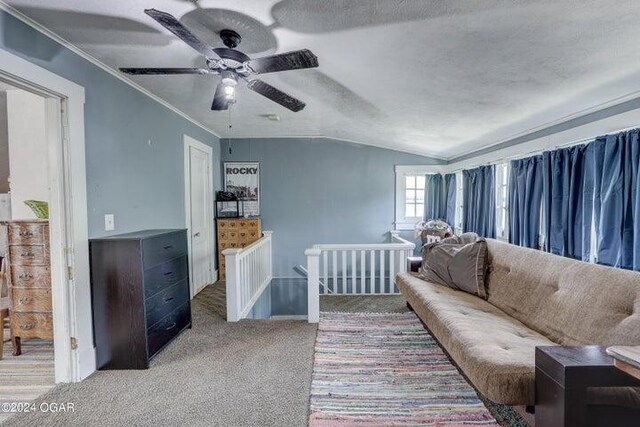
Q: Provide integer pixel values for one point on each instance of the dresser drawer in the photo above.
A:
(29, 255)
(32, 325)
(253, 224)
(164, 275)
(163, 248)
(167, 328)
(28, 276)
(166, 301)
(27, 234)
(26, 300)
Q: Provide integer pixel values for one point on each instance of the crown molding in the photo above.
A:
(55, 37)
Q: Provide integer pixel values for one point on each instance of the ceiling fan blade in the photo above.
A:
(276, 95)
(295, 60)
(172, 24)
(161, 71)
(220, 100)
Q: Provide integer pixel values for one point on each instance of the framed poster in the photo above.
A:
(243, 180)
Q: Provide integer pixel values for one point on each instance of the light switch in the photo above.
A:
(109, 222)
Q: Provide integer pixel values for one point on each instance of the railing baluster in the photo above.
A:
(382, 291)
(392, 265)
(372, 283)
(354, 272)
(334, 265)
(325, 271)
(363, 272)
(344, 272)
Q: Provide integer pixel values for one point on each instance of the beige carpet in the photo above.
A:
(250, 373)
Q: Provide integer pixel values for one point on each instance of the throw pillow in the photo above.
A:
(456, 265)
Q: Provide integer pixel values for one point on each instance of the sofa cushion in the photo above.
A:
(495, 351)
(459, 266)
(570, 302)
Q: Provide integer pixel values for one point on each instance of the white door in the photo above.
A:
(199, 207)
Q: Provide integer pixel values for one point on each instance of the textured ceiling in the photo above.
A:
(434, 77)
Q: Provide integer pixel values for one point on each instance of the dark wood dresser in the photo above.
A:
(140, 295)
(29, 278)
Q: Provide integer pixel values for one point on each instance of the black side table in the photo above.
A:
(414, 263)
(563, 375)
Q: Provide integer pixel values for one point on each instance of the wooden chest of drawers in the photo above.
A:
(29, 278)
(140, 295)
(235, 233)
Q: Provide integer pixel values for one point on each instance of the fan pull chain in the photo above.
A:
(230, 130)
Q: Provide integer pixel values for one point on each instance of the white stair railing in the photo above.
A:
(355, 269)
(249, 271)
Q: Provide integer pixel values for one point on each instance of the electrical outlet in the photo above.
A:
(109, 222)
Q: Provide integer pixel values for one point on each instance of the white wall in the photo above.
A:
(26, 127)
(4, 144)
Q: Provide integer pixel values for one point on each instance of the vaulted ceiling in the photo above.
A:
(433, 77)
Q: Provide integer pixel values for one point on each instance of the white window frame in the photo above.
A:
(402, 222)
(502, 201)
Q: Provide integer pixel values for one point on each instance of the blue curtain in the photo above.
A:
(433, 197)
(479, 203)
(525, 201)
(617, 200)
(568, 195)
(450, 199)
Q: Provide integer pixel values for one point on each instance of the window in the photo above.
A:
(414, 196)
(410, 197)
(502, 201)
(459, 204)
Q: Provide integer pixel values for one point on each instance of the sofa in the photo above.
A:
(533, 299)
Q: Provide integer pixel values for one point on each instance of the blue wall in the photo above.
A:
(142, 184)
(321, 191)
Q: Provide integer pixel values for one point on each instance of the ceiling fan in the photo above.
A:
(232, 65)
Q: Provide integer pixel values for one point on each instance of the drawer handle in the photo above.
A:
(27, 326)
(166, 248)
(24, 276)
(168, 273)
(25, 300)
(27, 254)
(171, 326)
(25, 234)
(166, 300)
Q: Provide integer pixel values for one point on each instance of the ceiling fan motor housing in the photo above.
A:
(230, 38)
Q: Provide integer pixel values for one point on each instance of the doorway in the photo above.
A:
(64, 151)
(198, 158)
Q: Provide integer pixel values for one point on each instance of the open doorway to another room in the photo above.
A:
(27, 367)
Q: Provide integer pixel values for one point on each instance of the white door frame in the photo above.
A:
(190, 142)
(72, 316)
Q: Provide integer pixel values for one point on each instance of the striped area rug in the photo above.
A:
(24, 378)
(384, 369)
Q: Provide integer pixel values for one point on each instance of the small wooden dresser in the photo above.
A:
(235, 233)
(140, 295)
(29, 278)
